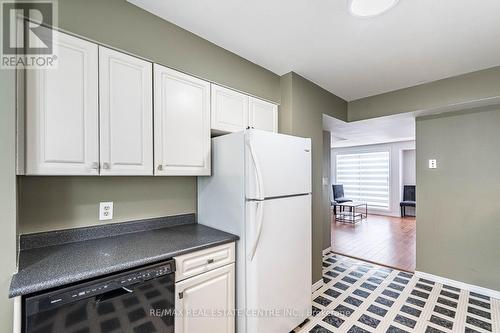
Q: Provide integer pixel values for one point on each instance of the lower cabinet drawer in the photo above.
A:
(195, 263)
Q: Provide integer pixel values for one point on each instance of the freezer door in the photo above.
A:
(276, 164)
(278, 277)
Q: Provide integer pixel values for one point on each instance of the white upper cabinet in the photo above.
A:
(182, 124)
(233, 111)
(62, 112)
(126, 114)
(263, 115)
(229, 110)
(93, 115)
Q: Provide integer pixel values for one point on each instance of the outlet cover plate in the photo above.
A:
(105, 211)
(432, 164)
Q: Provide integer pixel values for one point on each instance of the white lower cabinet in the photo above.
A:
(205, 303)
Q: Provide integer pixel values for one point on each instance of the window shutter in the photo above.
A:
(365, 177)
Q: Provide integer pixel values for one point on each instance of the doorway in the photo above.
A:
(374, 161)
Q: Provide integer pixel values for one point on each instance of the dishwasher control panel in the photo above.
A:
(146, 275)
(126, 280)
(121, 282)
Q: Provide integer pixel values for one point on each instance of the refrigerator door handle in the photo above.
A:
(260, 184)
(260, 220)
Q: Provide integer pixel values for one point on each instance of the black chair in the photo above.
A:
(338, 197)
(409, 199)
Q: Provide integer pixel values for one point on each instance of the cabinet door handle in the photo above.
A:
(105, 165)
(210, 261)
(95, 165)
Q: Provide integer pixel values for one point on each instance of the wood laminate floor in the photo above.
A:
(385, 240)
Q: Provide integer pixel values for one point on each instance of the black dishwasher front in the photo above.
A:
(137, 301)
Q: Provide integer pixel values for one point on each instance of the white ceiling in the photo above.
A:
(418, 41)
(373, 131)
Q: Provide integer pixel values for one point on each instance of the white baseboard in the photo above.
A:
(317, 285)
(462, 285)
(328, 249)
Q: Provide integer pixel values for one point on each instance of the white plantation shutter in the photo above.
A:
(365, 177)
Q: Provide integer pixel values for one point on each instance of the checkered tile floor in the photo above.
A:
(361, 297)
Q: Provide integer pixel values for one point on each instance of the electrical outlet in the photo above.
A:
(432, 164)
(105, 211)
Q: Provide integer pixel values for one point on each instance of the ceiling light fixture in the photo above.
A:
(370, 8)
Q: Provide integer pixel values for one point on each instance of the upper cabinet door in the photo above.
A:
(229, 110)
(126, 114)
(263, 115)
(182, 124)
(62, 112)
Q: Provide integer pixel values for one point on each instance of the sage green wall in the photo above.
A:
(7, 194)
(122, 25)
(285, 114)
(48, 203)
(303, 116)
(458, 208)
(472, 87)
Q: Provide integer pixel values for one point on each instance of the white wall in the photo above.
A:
(396, 150)
(408, 167)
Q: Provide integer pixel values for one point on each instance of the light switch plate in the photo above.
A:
(105, 211)
(325, 181)
(432, 164)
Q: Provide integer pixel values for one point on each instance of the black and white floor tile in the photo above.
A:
(360, 297)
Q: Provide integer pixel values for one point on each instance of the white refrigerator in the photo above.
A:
(260, 190)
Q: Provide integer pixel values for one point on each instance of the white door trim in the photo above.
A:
(318, 284)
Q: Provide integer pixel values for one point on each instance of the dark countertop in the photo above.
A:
(57, 265)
